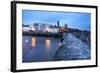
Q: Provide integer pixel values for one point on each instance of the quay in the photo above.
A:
(46, 34)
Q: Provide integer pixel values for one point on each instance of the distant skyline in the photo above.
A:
(73, 19)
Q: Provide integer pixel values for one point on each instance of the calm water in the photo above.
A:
(38, 49)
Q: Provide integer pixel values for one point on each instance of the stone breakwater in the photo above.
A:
(73, 48)
(85, 36)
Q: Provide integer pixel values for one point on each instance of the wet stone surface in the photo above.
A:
(73, 48)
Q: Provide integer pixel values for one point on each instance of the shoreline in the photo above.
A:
(43, 34)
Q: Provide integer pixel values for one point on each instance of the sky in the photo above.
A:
(73, 19)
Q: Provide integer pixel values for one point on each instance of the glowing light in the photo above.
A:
(47, 29)
(33, 41)
(26, 41)
(33, 29)
(59, 44)
(48, 43)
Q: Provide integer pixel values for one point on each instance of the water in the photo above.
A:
(39, 49)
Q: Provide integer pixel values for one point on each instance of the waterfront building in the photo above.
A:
(25, 28)
(41, 27)
(36, 26)
(66, 25)
(58, 24)
(32, 28)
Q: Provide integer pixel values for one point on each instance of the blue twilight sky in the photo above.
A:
(73, 19)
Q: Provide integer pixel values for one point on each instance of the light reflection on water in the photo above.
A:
(38, 49)
(48, 43)
(33, 41)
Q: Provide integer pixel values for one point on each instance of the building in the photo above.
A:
(54, 30)
(25, 28)
(66, 26)
(36, 26)
(32, 28)
(41, 27)
(58, 24)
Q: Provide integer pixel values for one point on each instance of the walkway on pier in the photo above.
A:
(73, 49)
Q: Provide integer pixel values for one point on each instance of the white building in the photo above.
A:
(26, 28)
(41, 27)
(32, 28)
(52, 30)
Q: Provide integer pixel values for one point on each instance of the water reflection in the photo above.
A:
(47, 43)
(38, 49)
(33, 42)
(26, 41)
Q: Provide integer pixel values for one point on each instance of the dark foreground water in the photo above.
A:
(37, 49)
